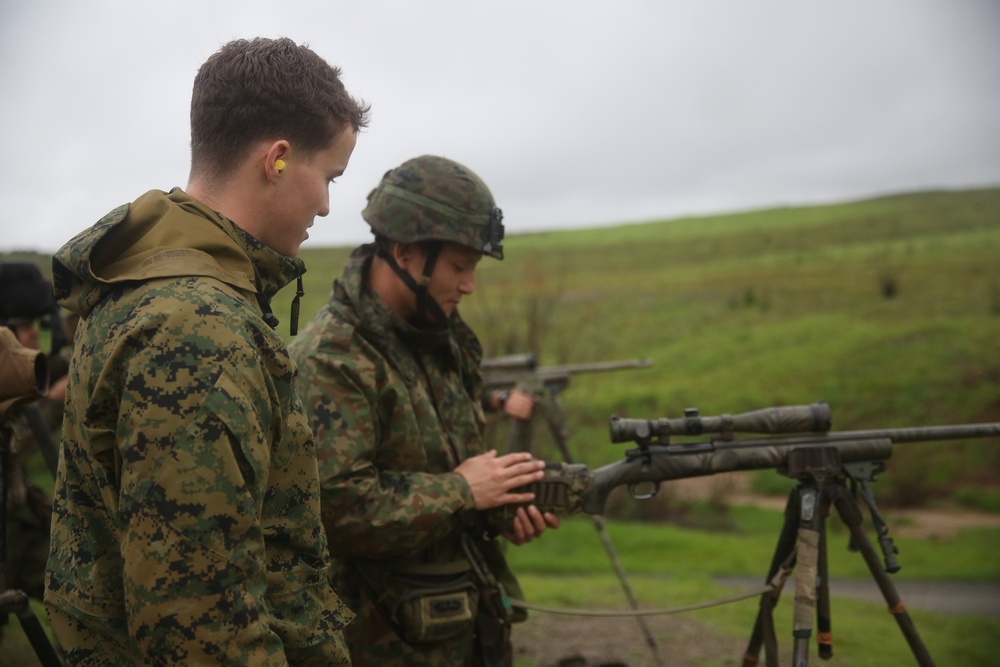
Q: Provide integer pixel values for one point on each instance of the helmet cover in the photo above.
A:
(432, 198)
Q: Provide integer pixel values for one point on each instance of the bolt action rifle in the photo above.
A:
(545, 384)
(832, 469)
(507, 371)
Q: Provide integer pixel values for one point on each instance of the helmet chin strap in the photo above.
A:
(429, 311)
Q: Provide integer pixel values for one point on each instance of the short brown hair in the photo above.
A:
(259, 89)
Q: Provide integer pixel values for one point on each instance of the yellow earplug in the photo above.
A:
(279, 165)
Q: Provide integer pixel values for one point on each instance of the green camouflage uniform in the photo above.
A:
(186, 521)
(395, 409)
(29, 512)
(27, 427)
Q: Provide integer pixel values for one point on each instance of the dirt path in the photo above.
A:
(563, 641)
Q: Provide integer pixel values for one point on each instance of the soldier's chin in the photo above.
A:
(293, 250)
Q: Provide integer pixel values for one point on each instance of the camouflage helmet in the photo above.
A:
(24, 294)
(431, 198)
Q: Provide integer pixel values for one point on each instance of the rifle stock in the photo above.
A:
(665, 466)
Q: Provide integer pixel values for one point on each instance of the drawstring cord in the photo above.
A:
(293, 327)
(269, 317)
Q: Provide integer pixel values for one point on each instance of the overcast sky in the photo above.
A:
(576, 113)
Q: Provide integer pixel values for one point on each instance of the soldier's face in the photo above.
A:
(305, 194)
(27, 335)
(453, 276)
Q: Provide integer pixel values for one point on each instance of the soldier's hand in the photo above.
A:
(57, 389)
(530, 523)
(519, 405)
(492, 477)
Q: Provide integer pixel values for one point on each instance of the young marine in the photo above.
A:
(389, 373)
(186, 526)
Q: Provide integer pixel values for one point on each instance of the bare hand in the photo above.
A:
(519, 405)
(530, 523)
(491, 477)
(57, 390)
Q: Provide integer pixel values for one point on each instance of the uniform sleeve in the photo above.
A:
(370, 510)
(194, 467)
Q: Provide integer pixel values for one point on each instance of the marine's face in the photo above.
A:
(305, 194)
(453, 276)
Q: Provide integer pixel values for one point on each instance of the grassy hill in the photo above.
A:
(888, 309)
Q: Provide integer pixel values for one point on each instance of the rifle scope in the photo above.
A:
(814, 418)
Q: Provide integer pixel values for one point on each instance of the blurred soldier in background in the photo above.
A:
(389, 374)
(25, 301)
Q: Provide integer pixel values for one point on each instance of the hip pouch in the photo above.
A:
(424, 608)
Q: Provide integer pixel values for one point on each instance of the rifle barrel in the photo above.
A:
(524, 362)
(501, 375)
(911, 434)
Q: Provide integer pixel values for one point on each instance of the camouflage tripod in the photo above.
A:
(802, 543)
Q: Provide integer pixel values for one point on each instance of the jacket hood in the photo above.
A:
(164, 235)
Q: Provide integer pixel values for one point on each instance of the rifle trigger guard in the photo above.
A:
(633, 490)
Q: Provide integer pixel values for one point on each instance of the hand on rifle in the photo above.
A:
(529, 523)
(491, 478)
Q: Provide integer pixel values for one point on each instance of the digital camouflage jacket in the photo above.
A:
(394, 410)
(186, 525)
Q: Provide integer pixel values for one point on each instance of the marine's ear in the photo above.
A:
(276, 160)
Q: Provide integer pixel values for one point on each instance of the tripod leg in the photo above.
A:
(805, 593)
(824, 622)
(521, 432)
(851, 516)
(783, 560)
(17, 602)
(616, 564)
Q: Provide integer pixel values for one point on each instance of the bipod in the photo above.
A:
(802, 545)
(548, 403)
(16, 601)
